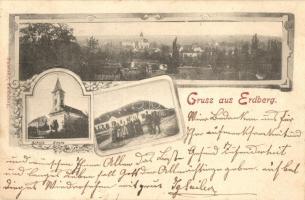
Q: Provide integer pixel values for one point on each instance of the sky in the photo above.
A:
(178, 28)
(158, 92)
(41, 102)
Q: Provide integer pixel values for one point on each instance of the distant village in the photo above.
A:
(115, 58)
(140, 58)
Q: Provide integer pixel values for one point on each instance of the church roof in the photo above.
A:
(69, 109)
(57, 86)
(72, 110)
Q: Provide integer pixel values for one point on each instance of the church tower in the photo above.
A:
(58, 97)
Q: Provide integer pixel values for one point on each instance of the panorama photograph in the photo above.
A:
(118, 51)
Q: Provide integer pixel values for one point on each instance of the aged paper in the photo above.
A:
(152, 100)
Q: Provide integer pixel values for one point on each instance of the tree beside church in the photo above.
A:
(63, 121)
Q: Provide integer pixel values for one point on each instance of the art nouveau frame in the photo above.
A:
(286, 19)
(177, 108)
(31, 92)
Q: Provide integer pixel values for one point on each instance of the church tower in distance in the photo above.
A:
(58, 97)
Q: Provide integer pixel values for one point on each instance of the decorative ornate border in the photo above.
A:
(18, 90)
(31, 91)
(287, 20)
(61, 147)
(98, 85)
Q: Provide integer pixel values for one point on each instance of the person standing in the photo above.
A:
(55, 125)
(133, 127)
(138, 127)
(157, 122)
(149, 122)
(130, 128)
(114, 132)
(124, 131)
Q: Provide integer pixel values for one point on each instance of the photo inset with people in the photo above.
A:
(142, 113)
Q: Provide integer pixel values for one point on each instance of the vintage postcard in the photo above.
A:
(159, 100)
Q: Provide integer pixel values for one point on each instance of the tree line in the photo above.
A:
(46, 45)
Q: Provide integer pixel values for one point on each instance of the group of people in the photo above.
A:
(133, 127)
(123, 130)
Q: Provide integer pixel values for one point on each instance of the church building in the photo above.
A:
(61, 117)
